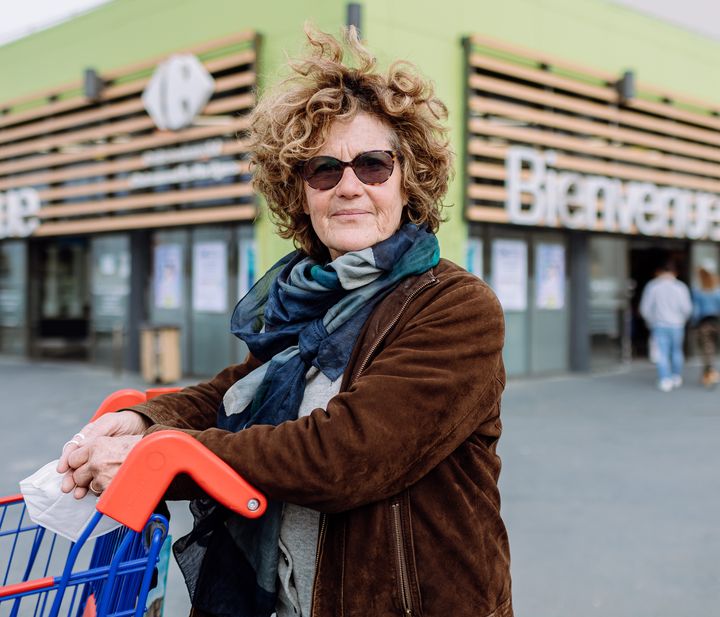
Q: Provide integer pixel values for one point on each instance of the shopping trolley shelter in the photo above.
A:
(46, 575)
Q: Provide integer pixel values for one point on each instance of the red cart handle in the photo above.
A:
(121, 399)
(152, 464)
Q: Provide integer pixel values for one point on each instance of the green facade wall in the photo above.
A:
(429, 33)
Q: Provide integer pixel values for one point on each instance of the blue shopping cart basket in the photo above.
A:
(45, 575)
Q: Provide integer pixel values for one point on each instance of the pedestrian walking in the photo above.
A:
(368, 410)
(706, 319)
(666, 307)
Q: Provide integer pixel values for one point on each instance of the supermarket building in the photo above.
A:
(587, 150)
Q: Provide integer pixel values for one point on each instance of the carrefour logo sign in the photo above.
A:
(178, 91)
(18, 210)
(599, 203)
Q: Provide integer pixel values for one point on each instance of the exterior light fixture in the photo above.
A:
(625, 87)
(93, 85)
(354, 15)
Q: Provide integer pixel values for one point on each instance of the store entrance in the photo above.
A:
(61, 300)
(645, 257)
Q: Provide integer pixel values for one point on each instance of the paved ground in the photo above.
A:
(611, 490)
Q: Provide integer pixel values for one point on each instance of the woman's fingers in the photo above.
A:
(72, 460)
(95, 465)
(77, 440)
(80, 492)
(111, 424)
(68, 482)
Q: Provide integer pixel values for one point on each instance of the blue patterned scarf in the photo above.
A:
(300, 314)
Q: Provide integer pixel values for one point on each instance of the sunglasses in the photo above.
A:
(372, 167)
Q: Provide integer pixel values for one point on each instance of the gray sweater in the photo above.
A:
(299, 528)
(666, 302)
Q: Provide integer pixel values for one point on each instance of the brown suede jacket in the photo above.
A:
(401, 464)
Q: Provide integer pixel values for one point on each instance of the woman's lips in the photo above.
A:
(343, 213)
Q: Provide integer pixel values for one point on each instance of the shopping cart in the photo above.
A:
(111, 576)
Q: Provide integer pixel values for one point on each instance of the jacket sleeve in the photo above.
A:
(195, 407)
(438, 378)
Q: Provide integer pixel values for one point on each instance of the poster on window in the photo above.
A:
(550, 276)
(168, 276)
(210, 284)
(474, 257)
(509, 273)
(246, 271)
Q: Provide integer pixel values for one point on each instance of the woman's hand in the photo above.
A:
(82, 450)
(94, 464)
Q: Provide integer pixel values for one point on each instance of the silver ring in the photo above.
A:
(93, 490)
(79, 436)
(67, 443)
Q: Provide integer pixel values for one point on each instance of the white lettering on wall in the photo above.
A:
(18, 210)
(571, 200)
(213, 170)
(207, 149)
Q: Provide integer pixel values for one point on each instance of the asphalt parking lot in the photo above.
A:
(611, 491)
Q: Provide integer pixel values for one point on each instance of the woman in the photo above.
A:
(368, 408)
(706, 314)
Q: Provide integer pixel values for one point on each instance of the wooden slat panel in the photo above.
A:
(600, 150)
(489, 193)
(498, 214)
(590, 133)
(60, 142)
(487, 171)
(589, 127)
(49, 124)
(147, 200)
(566, 65)
(610, 113)
(117, 91)
(123, 127)
(173, 218)
(587, 166)
(146, 65)
(605, 94)
(542, 77)
(232, 146)
(540, 57)
(138, 85)
(102, 188)
(487, 214)
(244, 36)
(159, 138)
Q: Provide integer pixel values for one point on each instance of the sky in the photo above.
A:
(22, 17)
(701, 16)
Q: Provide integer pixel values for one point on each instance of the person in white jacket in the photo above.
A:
(666, 306)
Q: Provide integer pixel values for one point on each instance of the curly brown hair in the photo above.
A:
(290, 124)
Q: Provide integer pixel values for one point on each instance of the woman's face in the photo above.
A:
(351, 215)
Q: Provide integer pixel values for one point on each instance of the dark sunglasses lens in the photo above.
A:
(374, 167)
(322, 172)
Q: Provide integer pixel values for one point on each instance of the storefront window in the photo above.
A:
(13, 264)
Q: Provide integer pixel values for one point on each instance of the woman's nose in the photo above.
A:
(349, 185)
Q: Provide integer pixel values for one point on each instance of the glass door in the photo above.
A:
(609, 316)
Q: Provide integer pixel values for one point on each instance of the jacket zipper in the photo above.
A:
(321, 537)
(402, 566)
(323, 516)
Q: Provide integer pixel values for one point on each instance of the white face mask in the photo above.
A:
(60, 512)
